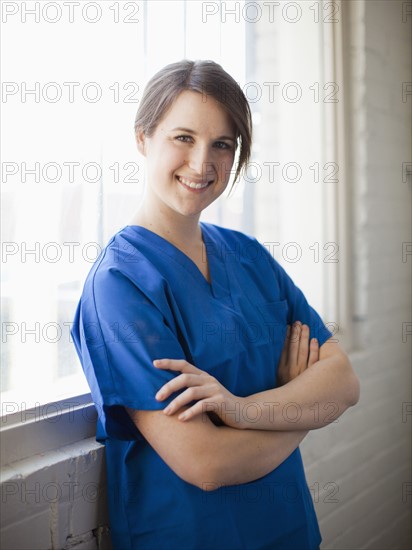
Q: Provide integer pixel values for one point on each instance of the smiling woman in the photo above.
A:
(177, 316)
(188, 172)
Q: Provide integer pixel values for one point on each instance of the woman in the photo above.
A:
(214, 307)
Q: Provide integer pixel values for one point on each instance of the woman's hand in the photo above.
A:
(297, 354)
(211, 396)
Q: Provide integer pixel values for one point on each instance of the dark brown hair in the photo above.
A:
(207, 78)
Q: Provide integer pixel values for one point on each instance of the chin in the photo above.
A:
(190, 213)
(190, 210)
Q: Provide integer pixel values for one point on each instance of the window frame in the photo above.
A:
(26, 432)
(335, 146)
(29, 432)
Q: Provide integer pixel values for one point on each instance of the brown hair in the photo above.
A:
(207, 78)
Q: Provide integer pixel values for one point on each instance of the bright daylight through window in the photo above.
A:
(72, 177)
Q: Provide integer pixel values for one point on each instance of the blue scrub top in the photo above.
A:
(144, 299)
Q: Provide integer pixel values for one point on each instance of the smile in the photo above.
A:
(193, 185)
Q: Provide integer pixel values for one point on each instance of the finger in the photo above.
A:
(176, 364)
(189, 395)
(294, 346)
(199, 408)
(282, 374)
(303, 349)
(176, 384)
(284, 356)
(313, 352)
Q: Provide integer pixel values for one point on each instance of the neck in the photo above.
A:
(182, 231)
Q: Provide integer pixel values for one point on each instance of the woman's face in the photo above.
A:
(190, 155)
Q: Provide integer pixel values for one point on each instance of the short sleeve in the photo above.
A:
(298, 307)
(118, 332)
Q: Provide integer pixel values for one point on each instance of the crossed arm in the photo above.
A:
(246, 448)
(209, 456)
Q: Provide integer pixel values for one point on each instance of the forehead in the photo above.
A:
(196, 110)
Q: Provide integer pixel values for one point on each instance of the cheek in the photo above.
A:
(225, 166)
(171, 158)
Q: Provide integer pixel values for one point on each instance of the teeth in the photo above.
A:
(192, 184)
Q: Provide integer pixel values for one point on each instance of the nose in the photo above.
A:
(201, 161)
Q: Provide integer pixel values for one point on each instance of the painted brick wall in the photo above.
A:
(56, 500)
(360, 468)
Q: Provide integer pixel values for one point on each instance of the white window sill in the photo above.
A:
(30, 432)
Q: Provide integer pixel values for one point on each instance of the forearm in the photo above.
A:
(315, 398)
(209, 456)
(242, 456)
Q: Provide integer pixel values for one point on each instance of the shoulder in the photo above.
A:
(232, 239)
(122, 263)
(243, 246)
(122, 251)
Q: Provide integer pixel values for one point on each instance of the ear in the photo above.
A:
(141, 141)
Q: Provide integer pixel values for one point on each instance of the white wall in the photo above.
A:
(366, 455)
(359, 469)
(56, 500)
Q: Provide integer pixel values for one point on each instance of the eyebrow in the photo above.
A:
(189, 131)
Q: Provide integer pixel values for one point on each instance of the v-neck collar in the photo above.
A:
(219, 285)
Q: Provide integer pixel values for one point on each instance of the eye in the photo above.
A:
(184, 138)
(222, 145)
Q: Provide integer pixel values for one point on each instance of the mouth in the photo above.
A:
(193, 185)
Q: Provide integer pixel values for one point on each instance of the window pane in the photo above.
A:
(74, 175)
(66, 147)
(290, 178)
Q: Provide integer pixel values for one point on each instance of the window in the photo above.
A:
(72, 175)
(298, 177)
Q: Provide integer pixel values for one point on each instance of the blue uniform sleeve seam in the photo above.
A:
(115, 393)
